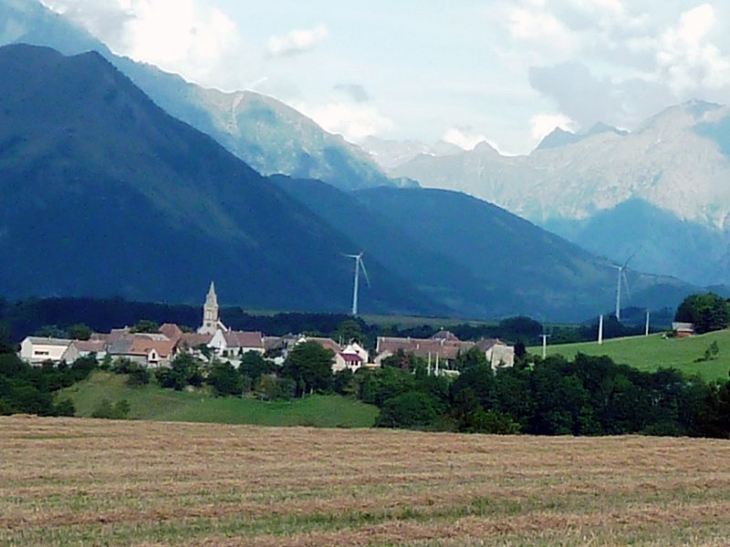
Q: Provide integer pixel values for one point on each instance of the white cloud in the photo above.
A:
(352, 121)
(296, 41)
(687, 56)
(542, 125)
(464, 140)
(536, 25)
(611, 5)
(189, 37)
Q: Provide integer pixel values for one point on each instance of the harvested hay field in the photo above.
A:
(95, 482)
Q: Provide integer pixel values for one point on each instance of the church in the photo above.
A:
(211, 322)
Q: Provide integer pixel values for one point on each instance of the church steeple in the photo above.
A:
(211, 323)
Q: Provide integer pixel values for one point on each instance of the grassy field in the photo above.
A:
(154, 403)
(96, 482)
(654, 351)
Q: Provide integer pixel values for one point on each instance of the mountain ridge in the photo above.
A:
(303, 149)
(140, 199)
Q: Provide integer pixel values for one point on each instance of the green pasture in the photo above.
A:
(155, 403)
(656, 351)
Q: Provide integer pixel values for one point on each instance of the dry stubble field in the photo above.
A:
(87, 482)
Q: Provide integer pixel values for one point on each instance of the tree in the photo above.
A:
(480, 381)
(344, 382)
(253, 365)
(348, 331)
(271, 388)
(409, 410)
(708, 312)
(474, 357)
(184, 371)
(79, 331)
(520, 328)
(6, 345)
(50, 331)
(65, 407)
(225, 379)
(145, 325)
(107, 410)
(310, 366)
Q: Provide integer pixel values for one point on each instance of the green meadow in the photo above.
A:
(152, 402)
(656, 351)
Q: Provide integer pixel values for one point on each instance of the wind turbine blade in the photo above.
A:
(626, 284)
(630, 258)
(364, 271)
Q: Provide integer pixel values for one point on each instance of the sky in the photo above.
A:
(464, 71)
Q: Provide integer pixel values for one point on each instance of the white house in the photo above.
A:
(235, 342)
(36, 350)
(352, 357)
(497, 352)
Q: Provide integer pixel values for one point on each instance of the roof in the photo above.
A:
(326, 343)
(90, 346)
(423, 347)
(143, 346)
(152, 336)
(119, 346)
(194, 339)
(243, 339)
(49, 341)
(445, 335)
(274, 342)
(485, 344)
(351, 357)
(172, 331)
(117, 334)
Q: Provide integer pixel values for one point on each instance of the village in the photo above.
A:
(214, 340)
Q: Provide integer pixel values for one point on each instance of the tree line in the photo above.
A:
(77, 317)
(555, 396)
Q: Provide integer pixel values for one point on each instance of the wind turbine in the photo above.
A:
(359, 265)
(621, 277)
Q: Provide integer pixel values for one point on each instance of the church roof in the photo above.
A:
(243, 339)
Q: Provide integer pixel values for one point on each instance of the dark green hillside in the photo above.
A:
(527, 269)
(102, 193)
(383, 240)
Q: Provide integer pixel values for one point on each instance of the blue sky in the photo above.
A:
(465, 70)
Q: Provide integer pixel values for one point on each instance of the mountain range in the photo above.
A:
(587, 188)
(675, 162)
(104, 193)
(613, 193)
(265, 133)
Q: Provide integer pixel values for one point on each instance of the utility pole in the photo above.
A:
(600, 329)
(544, 344)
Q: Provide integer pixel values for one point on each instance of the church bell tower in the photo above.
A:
(211, 323)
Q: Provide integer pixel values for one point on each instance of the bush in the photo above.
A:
(409, 410)
(225, 379)
(138, 376)
(107, 410)
(271, 388)
(65, 408)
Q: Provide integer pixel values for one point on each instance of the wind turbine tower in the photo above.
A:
(621, 277)
(359, 265)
